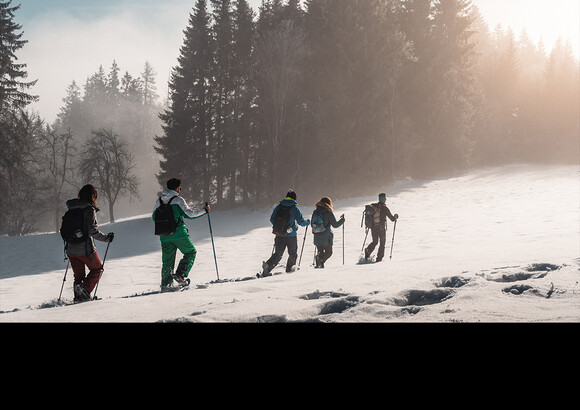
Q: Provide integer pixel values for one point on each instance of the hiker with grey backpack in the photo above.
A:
(322, 220)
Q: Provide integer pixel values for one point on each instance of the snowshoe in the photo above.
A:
(265, 271)
(181, 279)
(81, 294)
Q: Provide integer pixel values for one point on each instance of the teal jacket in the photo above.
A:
(295, 216)
(326, 238)
(180, 210)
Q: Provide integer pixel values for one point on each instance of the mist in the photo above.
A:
(368, 98)
(62, 47)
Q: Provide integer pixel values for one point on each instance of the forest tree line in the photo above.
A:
(336, 97)
(327, 97)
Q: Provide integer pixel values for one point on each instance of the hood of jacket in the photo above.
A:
(76, 203)
(167, 195)
(288, 202)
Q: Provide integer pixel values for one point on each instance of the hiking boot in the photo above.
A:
(181, 279)
(81, 294)
(265, 269)
(316, 261)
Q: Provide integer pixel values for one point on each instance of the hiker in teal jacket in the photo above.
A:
(325, 239)
(180, 238)
(287, 239)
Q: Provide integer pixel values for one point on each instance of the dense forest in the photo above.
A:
(327, 97)
(338, 97)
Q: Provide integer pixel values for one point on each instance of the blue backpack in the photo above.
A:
(317, 223)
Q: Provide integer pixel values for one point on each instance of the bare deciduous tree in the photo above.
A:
(108, 162)
(55, 158)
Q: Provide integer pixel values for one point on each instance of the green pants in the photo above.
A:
(168, 253)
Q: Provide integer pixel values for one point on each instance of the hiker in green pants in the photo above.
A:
(179, 239)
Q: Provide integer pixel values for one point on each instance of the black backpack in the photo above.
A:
(282, 221)
(72, 228)
(165, 224)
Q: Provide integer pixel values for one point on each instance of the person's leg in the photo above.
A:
(279, 247)
(383, 241)
(95, 271)
(78, 268)
(292, 244)
(318, 256)
(189, 252)
(79, 273)
(371, 247)
(168, 251)
(327, 253)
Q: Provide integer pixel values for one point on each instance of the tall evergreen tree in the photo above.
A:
(188, 122)
(243, 92)
(13, 91)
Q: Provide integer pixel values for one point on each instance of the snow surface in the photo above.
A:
(495, 245)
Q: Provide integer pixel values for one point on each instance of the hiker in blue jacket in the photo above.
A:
(284, 219)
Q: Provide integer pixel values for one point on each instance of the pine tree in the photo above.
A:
(188, 121)
(243, 91)
(224, 143)
(149, 88)
(70, 115)
(13, 93)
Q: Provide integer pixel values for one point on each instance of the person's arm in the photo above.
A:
(334, 222)
(93, 227)
(390, 216)
(188, 212)
(300, 218)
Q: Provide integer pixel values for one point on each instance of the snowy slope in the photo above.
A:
(498, 244)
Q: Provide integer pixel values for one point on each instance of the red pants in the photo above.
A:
(95, 266)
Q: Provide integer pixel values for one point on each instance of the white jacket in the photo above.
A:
(168, 194)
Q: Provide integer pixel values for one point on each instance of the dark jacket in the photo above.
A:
(385, 213)
(326, 237)
(91, 225)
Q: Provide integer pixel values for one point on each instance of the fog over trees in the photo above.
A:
(327, 97)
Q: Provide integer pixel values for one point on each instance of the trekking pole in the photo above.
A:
(102, 269)
(212, 244)
(303, 242)
(393, 240)
(365, 241)
(64, 279)
(343, 243)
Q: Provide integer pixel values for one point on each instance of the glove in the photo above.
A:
(396, 216)
(110, 237)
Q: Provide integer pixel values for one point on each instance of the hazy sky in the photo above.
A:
(69, 39)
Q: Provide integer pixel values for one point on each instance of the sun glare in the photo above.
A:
(545, 20)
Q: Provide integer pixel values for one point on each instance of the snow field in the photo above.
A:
(495, 245)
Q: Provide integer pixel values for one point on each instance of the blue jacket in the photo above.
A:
(295, 216)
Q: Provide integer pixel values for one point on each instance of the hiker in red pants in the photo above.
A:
(80, 226)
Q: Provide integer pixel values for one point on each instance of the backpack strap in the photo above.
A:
(168, 202)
